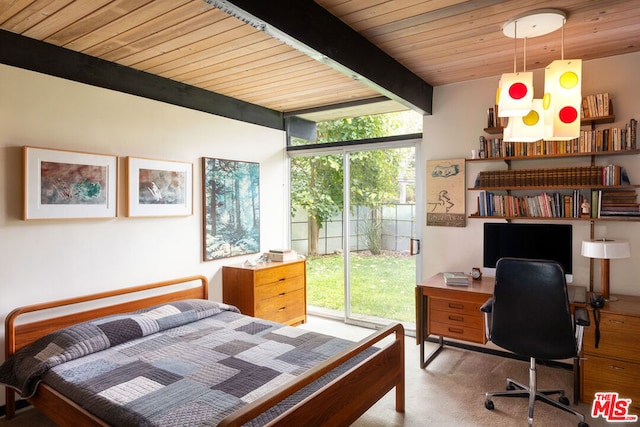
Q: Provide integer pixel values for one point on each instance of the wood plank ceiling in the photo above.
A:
(440, 41)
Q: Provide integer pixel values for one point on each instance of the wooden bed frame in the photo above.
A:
(338, 403)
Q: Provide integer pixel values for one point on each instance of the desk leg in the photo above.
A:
(422, 336)
(576, 380)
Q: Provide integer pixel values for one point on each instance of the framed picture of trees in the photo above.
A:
(231, 200)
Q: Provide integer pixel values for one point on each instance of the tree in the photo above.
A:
(316, 182)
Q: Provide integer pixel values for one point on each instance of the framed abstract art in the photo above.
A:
(159, 188)
(61, 184)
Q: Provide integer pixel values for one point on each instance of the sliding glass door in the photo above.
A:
(358, 229)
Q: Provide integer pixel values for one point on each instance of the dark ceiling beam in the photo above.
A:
(309, 28)
(34, 55)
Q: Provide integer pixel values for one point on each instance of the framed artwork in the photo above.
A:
(159, 188)
(67, 184)
(445, 193)
(231, 200)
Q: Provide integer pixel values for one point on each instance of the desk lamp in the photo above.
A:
(605, 250)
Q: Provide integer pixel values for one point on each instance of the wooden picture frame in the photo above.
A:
(59, 184)
(159, 187)
(231, 208)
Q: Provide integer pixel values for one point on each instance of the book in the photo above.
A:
(282, 257)
(455, 278)
(280, 251)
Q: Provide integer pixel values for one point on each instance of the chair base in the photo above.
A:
(516, 389)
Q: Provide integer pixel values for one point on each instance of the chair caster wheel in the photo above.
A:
(511, 387)
(564, 400)
(489, 405)
(583, 424)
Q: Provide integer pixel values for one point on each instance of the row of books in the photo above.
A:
(548, 177)
(597, 105)
(493, 121)
(544, 205)
(604, 203)
(593, 106)
(614, 203)
(611, 139)
(590, 141)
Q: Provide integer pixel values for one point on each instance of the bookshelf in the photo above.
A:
(551, 193)
(558, 193)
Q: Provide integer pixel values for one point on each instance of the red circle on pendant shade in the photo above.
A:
(518, 90)
(568, 114)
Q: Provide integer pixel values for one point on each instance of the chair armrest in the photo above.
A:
(581, 317)
(487, 307)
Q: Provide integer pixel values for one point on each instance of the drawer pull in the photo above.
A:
(282, 308)
(282, 294)
(456, 306)
(456, 331)
(616, 368)
(456, 318)
(282, 280)
(619, 322)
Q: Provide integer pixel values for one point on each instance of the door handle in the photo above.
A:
(414, 246)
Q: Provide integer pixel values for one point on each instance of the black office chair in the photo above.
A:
(529, 315)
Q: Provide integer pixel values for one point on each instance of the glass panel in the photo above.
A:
(382, 274)
(316, 228)
(377, 126)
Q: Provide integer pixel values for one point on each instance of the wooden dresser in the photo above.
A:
(615, 365)
(274, 291)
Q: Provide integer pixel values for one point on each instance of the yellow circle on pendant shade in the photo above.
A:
(531, 119)
(546, 101)
(569, 80)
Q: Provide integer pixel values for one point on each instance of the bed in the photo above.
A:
(309, 378)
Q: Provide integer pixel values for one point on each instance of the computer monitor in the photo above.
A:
(537, 241)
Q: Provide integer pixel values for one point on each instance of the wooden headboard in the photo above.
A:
(20, 335)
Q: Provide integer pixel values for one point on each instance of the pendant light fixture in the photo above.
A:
(529, 128)
(562, 98)
(556, 116)
(515, 90)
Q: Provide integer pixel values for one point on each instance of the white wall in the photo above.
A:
(50, 259)
(453, 131)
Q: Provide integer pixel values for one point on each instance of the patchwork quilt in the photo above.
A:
(186, 363)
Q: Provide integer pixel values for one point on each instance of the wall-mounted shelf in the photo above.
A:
(552, 156)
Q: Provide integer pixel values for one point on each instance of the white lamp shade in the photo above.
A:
(528, 128)
(515, 94)
(606, 249)
(562, 99)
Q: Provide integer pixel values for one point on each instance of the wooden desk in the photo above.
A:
(451, 312)
(454, 312)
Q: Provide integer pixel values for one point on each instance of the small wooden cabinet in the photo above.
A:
(450, 312)
(614, 366)
(274, 291)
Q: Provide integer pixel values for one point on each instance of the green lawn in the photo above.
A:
(381, 286)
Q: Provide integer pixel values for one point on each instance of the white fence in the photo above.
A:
(398, 227)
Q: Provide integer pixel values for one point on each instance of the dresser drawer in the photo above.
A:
(455, 306)
(279, 288)
(278, 273)
(608, 375)
(460, 332)
(282, 308)
(617, 334)
(457, 319)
